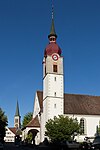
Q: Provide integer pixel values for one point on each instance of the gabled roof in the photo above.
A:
(78, 104)
(12, 129)
(34, 122)
(40, 98)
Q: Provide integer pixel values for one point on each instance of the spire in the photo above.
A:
(52, 31)
(17, 110)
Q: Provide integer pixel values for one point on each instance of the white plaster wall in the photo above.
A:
(53, 91)
(42, 128)
(50, 86)
(36, 109)
(10, 136)
(49, 64)
(91, 123)
(54, 107)
(17, 124)
(37, 138)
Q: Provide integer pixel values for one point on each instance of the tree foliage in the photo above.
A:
(27, 118)
(29, 137)
(61, 128)
(3, 124)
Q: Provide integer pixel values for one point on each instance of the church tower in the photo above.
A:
(53, 80)
(17, 122)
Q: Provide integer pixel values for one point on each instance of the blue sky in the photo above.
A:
(24, 27)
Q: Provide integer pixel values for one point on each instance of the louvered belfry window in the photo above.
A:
(54, 68)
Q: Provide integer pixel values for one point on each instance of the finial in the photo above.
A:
(52, 9)
(52, 31)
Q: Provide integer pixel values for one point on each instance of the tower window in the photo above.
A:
(54, 105)
(55, 93)
(55, 78)
(16, 120)
(52, 39)
(54, 68)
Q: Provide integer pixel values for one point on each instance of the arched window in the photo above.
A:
(83, 125)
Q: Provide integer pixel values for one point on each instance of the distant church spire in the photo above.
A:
(17, 121)
(52, 31)
(17, 110)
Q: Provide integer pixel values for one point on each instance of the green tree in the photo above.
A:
(97, 130)
(29, 137)
(27, 118)
(61, 128)
(3, 124)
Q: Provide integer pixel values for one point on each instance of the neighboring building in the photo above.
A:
(52, 101)
(11, 132)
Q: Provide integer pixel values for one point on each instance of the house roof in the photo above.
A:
(77, 104)
(40, 97)
(34, 122)
(12, 129)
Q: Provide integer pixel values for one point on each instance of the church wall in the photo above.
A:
(53, 85)
(54, 107)
(49, 65)
(36, 106)
(91, 123)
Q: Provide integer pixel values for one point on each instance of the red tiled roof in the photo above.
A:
(12, 129)
(81, 104)
(40, 97)
(78, 104)
(34, 122)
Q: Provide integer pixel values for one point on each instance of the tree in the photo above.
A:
(27, 119)
(3, 124)
(29, 137)
(61, 128)
(97, 130)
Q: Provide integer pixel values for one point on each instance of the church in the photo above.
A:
(53, 101)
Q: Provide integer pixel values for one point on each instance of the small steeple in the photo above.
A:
(17, 110)
(52, 31)
(17, 121)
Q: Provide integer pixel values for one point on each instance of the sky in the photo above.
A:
(24, 29)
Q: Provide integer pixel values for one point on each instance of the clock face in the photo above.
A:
(55, 57)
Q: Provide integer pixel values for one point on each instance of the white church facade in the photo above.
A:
(52, 101)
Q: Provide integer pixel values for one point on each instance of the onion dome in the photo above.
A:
(52, 47)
